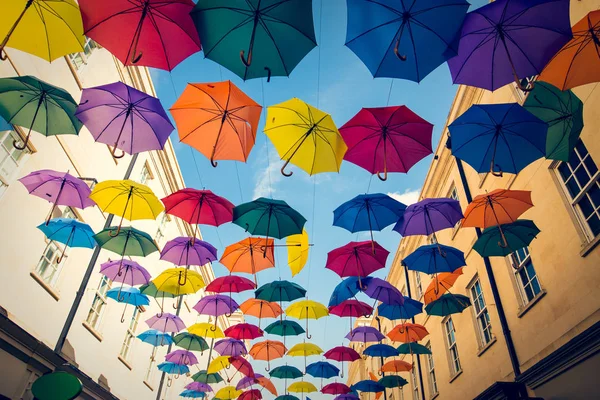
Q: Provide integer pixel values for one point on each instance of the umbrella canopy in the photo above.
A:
(261, 309)
(429, 216)
(335, 388)
(242, 365)
(364, 334)
(128, 295)
(392, 381)
(268, 350)
(44, 28)
(305, 136)
(395, 366)
(563, 112)
(246, 381)
(345, 290)
(192, 394)
(172, 368)
(258, 33)
(380, 350)
(413, 348)
(268, 217)
(228, 393)
(280, 291)
(206, 330)
(266, 383)
(302, 387)
(215, 305)
(342, 353)
(390, 139)
(368, 386)
(516, 235)
(347, 396)
(577, 62)
(182, 357)
(322, 369)
(368, 212)
(151, 290)
(166, 323)
(199, 207)
(203, 376)
(190, 342)
(218, 120)
(69, 232)
(351, 308)
(497, 207)
(408, 332)
(251, 394)
(408, 309)
(198, 387)
(230, 347)
(286, 397)
(307, 309)
(284, 328)
(155, 338)
(448, 304)
(148, 33)
(125, 271)
(231, 284)
(304, 350)
(434, 258)
(298, 247)
(358, 259)
(404, 40)
(125, 118)
(250, 255)
(286, 372)
(440, 285)
(509, 40)
(179, 281)
(218, 364)
(383, 291)
(127, 242)
(244, 331)
(36, 105)
(188, 251)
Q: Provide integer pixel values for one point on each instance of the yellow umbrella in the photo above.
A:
(302, 387)
(304, 350)
(205, 329)
(228, 393)
(127, 199)
(218, 364)
(305, 136)
(45, 28)
(307, 309)
(297, 251)
(179, 281)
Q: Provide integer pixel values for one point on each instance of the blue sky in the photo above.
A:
(340, 85)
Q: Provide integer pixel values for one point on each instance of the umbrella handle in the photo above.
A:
(115, 233)
(269, 74)
(397, 53)
(114, 154)
(184, 279)
(288, 174)
(247, 62)
(176, 304)
(25, 142)
(497, 173)
(384, 177)
(169, 381)
(524, 88)
(123, 315)
(135, 59)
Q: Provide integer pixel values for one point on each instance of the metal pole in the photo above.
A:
(413, 321)
(88, 273)
(162, 376)
(512, 353)
(381, 358)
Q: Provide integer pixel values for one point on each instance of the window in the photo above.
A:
(10, 158)
(526, 83)
(415, 387)
(526, 277)
(452, 347)
(482, 315)
(97, 309)
(150, 371)
(419, 286)
(80, 59)
(145, 174)
(130, 335)
(453, 194)
(27, 395)
(433, 389)
(580, 179)
(160, 232)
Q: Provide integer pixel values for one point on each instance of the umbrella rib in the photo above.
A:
(242, 23)
(155, 25)
(44, 4)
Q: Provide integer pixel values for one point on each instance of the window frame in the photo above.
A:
(418, 285)
(519, 265)
(104, 283)
(162, 224)
(145, 174)
(431, 378)
(129, 339)
(414, 383)
(33, 376)
(452, 347)
(478, 314)
(83, 55)
(7, 154)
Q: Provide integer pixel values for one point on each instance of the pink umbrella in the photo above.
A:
(335, 388)
(386, 139)
(230, 283)
(357, 259)
(166, 323)
(230, 347)
(199, 387)
(182, 357)
(244, 331)
(342, 353)
(251, 394)
(351, 308)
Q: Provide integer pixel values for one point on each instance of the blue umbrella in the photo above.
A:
(448, 304)
(192, 394)
(381, 350)
(434, 258)
(155, 337)
(322, 369)
(346, 289)
(409, 309)
(404, 38)
(498, 138)
(172, 368)
(128, 295)
(69, 232)
(368, 386)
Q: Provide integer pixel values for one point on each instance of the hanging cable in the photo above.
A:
(237, 172)
(262, 89)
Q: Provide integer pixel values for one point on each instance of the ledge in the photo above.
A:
(532, 303)
(91, 329)
(456, 375)
(590, 246)
(486, 347)
(149, 386)
(45, 286)
(125, 363)
(435, 396)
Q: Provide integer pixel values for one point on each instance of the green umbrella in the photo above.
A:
(254, 39)
(202, 376)
(26, 101)
(448, 304)
(58, 385)
(518, 235)
(190, 342)
(563, 111)
(413, 348)
(128, 242)
(285, 328)
(286, 372)
(280, 291)
(151, 290)
(392, 381)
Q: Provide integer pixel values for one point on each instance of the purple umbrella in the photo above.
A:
(230, 347)
(125, 271)
(182, 357)
(383, 291)
(215, 305)
(364, 334)
(347, 396)
(166, 323)
(509, 40)
(124, 117)
(199, 387)
(187, 251)
(247, 381)
(59, 188)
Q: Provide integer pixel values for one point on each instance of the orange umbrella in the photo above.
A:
(267, 384)
(218, 120)
(443, 282)
(578, 62)
(268, 350)
(261, 309)
(250, 255)
(408, 333)
(396, 366)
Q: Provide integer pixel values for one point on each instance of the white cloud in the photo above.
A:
(408, 197)
(268, 177)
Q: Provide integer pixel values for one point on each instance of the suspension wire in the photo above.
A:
(237, 172)
(196, 164)
(390, 92)
(262, 89)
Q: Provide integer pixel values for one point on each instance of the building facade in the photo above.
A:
(548, 291)
(38, 291)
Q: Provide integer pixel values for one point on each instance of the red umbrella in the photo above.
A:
(342, 353)
(351, 308)
(231, 284)
(151, 33)
(335, 388)
(242, 366)
(251, 394)
(357, 259)
(244, 331)
(386, 139)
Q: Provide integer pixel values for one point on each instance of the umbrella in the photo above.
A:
(268, 350)
(166, 323)
(150, 33)
(302, 387)
(199, 387)
(128, 295)
(218, 120)
(518, 234)
(368, 386)
(190, 342)
(439, 286)
(203, 376)
(280, 291)
(286, 397)
(151, 290)
(395, 366)
(413, 348)
(347, 396)
(251, 394)
(307, 309)
(322, 369)
(335, 388)
(59, 188)
(368, 212)
(242, 366)
(230, 347)
(244, 331)
(305, 136)
(286, 372)
(257, 33)
(192, 394)
(577, 62)
(155, 338)
(304, 350)
(284, 328)
(250, 255)
(383, 291)
(407, 332)
(563, 112)
(127, 199)
(218, 364)
(392, 381)
(342, 353)
(179, 281)
(206, 330)
(127, 242)
(69, 232)
(125, 271)
(182, 357)
(365, 334)
(261, 309)
(216, 305)
(351, 308)
(435, 258)
(298, 247)
(188, 251)
(448, 304)
(227, 393)
(172, 368)
(125, 118)
(509, 40)
(358, 259)
(345, 290)
(498, 138)
(231, 284)
(404, 40)
(380, 350)
(246, 381)
(406, 310)
(266, 383)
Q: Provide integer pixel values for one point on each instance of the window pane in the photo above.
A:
(582, 176)
(586, 206)
(594, 224)
(581, 149)
(564, 170)
(535, 286)
(591, 165)
(573, 187)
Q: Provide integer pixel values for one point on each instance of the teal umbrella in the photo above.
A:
(254, 39)
(285, 328)
(28, 102)
(392, 381)
(413, 348)
(190, 342)
(286, 372)
(280, 291)
(518, 234)
(563, 111)
(152, 291)
(202, 376)
(128, 242)
(448, 304)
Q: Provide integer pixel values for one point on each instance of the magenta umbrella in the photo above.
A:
(342, 353)
(357, 259)
(351, 308)
(182, 357)
(166, 323)
(386, 139)
(230, 347)
(59, 188)
(187, 251)
(199, 387)
(335, 388)
(215, 305)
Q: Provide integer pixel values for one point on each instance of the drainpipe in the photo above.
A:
(381, 358)
(88, 274)
(162, 376)
(413, 321)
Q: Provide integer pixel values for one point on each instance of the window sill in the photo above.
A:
(590, 246)
(45, 286)
(435, 396)
(456, 375)
(486, 347)
(91, 329)
(125, 363)
(149, 386)
(532, 303)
